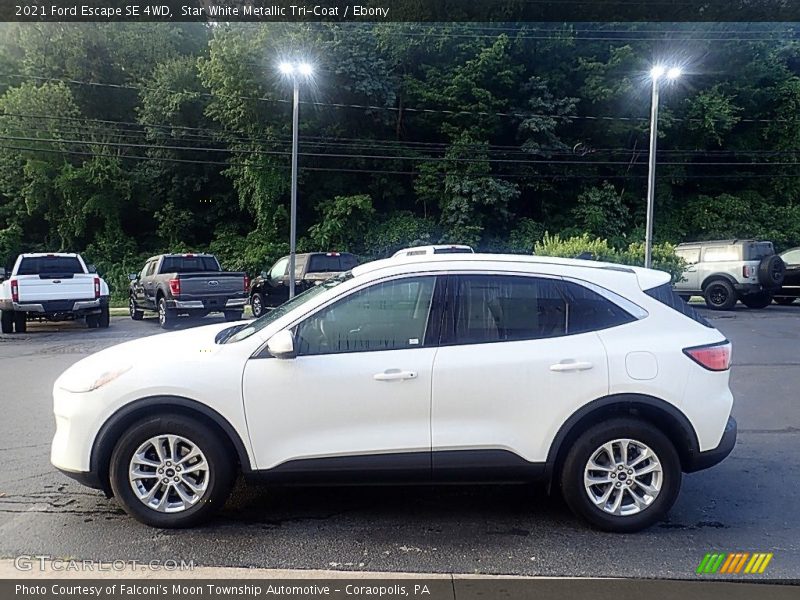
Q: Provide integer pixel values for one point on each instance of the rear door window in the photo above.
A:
(721, 253)
(189, 264)
(330, 263)
(50, 265)
(690, 255)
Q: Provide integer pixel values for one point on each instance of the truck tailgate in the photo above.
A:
(45, 288)
(196, 286)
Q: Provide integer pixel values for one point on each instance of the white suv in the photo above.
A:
(592, 377)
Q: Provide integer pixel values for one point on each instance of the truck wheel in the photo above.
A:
(21, 322)
(233, 315)
(135, 313)
(760, 300)
(720, 295)
(771, 271)
(7, 320)
(92, 321)
(257, 304)
(166, 316)
(104, 319)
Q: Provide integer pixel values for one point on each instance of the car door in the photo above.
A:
(356, 399)
(508, 373)
(791, 280)
(691, 275)
(149, 285)
(138, 287)
(278, 283)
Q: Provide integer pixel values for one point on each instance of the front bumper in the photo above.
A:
(703, 460)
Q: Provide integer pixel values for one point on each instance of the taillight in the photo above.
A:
(747, 271)
(714, 357)
(175, 287)
(246, 283)
(14, 290)
(96, 287)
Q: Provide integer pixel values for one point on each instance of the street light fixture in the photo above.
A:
(657, 74)
(296, 71)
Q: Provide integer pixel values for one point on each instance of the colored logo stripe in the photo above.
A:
(734, 562)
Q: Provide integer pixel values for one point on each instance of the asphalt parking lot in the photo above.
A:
(747, 503)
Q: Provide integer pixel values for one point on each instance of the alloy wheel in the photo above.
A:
(623, 477)
(169, 473)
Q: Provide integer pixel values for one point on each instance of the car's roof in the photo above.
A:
(717, 242)
(583, 269)
(40, 254)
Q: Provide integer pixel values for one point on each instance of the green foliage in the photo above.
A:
(344, 219)
(664, 257)
(601, 212)
(401, 230)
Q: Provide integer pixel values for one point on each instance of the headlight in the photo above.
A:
(80, 383)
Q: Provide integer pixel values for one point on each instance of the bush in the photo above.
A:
(664, 257)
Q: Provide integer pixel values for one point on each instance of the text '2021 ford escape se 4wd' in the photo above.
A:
(593, 377)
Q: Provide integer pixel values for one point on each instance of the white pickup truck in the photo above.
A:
(52, 287)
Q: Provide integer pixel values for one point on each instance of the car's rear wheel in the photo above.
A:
(20, 322)
(133, 310)
(171, 471)
(785, 301)
(93, 321)
(7, 321)
(760, 300)
(166, 316)
(104, 318)
(720, 295)
(621, 475)
(257, 304)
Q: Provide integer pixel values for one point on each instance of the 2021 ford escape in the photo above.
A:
(473, 368)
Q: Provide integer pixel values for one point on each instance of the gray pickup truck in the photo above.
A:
(187, 284)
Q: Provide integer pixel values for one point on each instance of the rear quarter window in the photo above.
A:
(721, 253)
(667, 296)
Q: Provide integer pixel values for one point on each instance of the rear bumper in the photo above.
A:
(231, 303)
(87, 478)
(57, 306)
(703, 460)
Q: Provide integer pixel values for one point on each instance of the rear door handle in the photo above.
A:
(394, 375)
(571, 365)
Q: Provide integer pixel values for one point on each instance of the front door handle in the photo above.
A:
(571, 365)
(394, 375)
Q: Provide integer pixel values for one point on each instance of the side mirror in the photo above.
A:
(264, 275)
(91, 268)
(281, 345)
(133, 276)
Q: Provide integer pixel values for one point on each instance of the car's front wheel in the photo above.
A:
(257, 304)
(720, 295)
(621, 475)
(760, 300)
(133, 310)
(171, 471)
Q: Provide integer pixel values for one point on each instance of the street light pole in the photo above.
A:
(656, 74)
(293, 209)
(294, 71)
(651, 176)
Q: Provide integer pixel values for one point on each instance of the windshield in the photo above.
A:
(241, 332)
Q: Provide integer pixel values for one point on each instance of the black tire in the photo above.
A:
(166, 316)
(220, 475)
(133, 310)
(590, 441)
(233, 315)
(104, 318)
(760, 300)
(784, 301)
(771, 271)
(257, 304)
(20, 322)
(720, 295)
(92, 321)
(7, 321)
